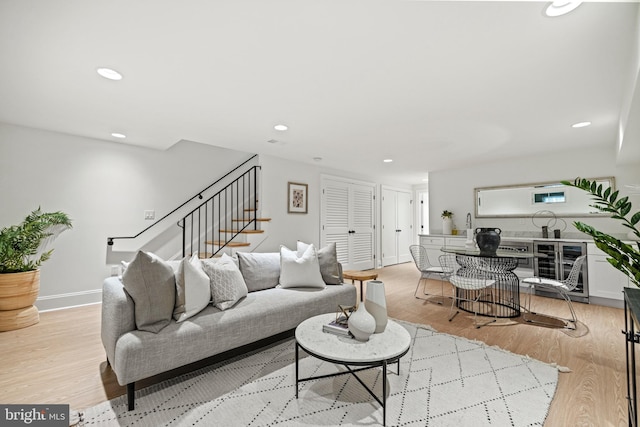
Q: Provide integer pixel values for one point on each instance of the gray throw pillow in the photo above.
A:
(328, 259)
(227, 284)
(151, 283)
(260, 270)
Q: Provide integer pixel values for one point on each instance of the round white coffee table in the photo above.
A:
(381, 349)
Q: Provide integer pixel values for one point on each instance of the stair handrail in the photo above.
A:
(250, 221)
(198, 195)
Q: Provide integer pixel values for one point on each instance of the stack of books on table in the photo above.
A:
(337, 327)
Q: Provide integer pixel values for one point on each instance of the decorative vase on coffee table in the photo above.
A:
(361, 323)
(376, 304)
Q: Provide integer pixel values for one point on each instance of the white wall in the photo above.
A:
(454, 189)
(105, 187)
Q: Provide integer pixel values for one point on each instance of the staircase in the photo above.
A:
(226, 222)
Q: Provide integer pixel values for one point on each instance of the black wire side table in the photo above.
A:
(631, 316)
(499, 268)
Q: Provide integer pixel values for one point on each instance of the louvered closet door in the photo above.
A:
(347, 218)
(335, 219)
(361, 242)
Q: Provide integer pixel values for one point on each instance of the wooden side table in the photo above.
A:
(362, 276)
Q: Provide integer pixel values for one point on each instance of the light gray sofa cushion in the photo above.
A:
(260, 270)
(152, 285)
(259, 315)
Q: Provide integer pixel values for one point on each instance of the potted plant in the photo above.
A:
(623, 256)
(23, 248)
(447, 222)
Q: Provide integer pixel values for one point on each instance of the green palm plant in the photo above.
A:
(23, 247)
(622, 256)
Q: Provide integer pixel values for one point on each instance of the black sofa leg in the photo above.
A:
(131, 395)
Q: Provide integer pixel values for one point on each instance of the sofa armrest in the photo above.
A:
(118, 315)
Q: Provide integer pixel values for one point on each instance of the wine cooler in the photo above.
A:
(554, 261)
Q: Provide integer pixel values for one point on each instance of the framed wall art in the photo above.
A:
(297, 198)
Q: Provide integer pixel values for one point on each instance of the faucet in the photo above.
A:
(468, 221)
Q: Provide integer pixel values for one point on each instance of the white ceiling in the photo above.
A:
(432, 85)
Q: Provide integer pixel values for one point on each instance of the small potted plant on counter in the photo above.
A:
(447, 221)
(23, 248)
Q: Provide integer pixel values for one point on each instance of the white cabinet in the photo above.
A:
(455, 242)
(433, 245)
(605, 281)
(397, 226)
(347, 217)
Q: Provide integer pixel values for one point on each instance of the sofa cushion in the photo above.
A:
(328, 260)
(150, 282)
(259, 270)
(227, 284)
(300, 271)
(193, 291)
(259, 315)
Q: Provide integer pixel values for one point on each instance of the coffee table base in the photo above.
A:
(365, 366)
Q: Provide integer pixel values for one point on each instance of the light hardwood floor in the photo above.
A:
(61, 359)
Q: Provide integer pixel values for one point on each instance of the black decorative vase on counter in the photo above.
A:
(488, 240)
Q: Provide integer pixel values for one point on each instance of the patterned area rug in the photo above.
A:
(443, 381)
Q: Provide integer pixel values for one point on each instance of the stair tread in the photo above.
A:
(251, 231)
(248, 219)
(229, 244)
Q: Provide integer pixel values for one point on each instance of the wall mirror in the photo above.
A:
(523, 200)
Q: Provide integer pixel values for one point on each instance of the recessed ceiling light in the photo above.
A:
(317, 159)
(388, 160)
(272, 141)
(118, 135)
(561, 7)
(110, 74)
(280, 127)
(581, 124)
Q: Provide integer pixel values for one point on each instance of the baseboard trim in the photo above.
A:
(68, 300)
(607, 302)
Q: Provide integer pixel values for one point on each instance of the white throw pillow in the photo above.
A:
(300, 271)
(193, 292)
(227, 284)
(328, 260)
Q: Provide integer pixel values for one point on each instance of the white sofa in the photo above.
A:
(136, 354)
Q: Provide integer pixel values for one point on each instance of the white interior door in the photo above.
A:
(335, 218)
(404, 221)
(397, 226)
(389, 242)
(362, 227)
(348, 219)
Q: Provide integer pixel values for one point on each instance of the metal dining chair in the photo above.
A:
(472, 289)
(427, 270)
(561, 287)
